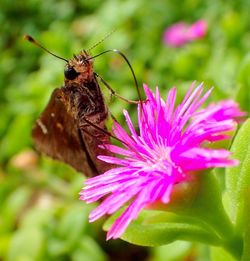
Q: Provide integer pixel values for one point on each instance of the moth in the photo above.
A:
(72, 126)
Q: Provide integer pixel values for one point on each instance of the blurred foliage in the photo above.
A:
(41, 216)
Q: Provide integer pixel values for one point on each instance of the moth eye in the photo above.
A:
(70, 73)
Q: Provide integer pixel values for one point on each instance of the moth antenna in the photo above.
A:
(33, 41)
(102, 40)
(128, 63)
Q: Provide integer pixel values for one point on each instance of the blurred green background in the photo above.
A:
(41, 217)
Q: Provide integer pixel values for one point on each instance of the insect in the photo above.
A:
(72, 126)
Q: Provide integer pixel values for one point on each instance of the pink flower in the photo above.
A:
(168, 150)
(223, 110)
(181, 33)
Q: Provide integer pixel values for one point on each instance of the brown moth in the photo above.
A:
(70, 127)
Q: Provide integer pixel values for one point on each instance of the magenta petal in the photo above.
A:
(131, 212)
(117, 150)
(181, 33)
(223, 110)
(114, 160)
(130, 124)
(198, 29)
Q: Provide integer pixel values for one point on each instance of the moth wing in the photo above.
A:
(57, 135)
(94, 138)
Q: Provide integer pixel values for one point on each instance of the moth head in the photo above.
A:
(78, 69)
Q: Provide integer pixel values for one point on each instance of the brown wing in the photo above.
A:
(93, 138)
(56, 134)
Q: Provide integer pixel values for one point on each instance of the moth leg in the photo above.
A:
(114, 93)
(89, 123)
(96, 135)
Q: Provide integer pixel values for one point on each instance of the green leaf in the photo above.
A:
(200, 205)
(219, 254)
(156, 228)
(37, 217)
(4, 245)
(72, 225)
(17, 136)
(238, 178)
(26, 244)
(88, 249)
(246, 238)
(13, 205)
(172, 252)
